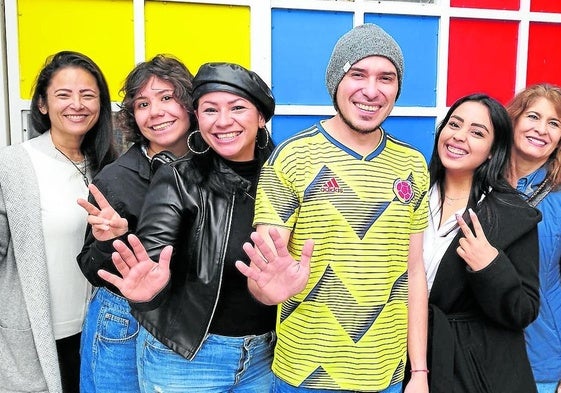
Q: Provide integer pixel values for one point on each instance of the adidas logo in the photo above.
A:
(331, 186)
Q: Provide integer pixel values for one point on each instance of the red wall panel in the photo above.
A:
(544, 54)
(545, 6)
(482, 58)
(488, 4)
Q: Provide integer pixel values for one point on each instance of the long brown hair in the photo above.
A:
(520, 104)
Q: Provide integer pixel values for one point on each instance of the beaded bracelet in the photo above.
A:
(424, 370)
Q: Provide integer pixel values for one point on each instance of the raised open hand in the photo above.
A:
(141, 278)
(474, 248)
(277, 275)
(106, 223)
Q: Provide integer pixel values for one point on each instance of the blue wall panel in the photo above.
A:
(286, 126)
(417, 131)
(302, 42)
(418, 37)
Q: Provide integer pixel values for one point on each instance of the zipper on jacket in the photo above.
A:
(222, 257)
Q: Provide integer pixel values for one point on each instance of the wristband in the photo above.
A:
(423, 370)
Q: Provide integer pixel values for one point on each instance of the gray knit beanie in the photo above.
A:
(362, 41)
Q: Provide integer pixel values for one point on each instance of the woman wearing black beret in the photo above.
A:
(201, 328)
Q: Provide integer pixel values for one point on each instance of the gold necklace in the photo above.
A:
(450, 201)
(83, 173)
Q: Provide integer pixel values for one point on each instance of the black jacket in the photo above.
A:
(124, 184)
(196, 220)
(477, 319)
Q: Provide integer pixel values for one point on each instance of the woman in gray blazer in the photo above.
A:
(43, 292)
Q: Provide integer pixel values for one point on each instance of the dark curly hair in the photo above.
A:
(164, 67)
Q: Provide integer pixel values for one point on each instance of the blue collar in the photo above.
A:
(529, 183)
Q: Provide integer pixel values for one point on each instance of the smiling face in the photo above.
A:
(537, 133)
(229, 124)
(161, 118)
(72, 103)
(367, 93)
(465, 141)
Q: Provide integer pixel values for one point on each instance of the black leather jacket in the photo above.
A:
(124, 183)
(196, 220)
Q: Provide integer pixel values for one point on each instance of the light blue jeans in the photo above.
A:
(223, 364)
(546, 387)
(279, 386)
(108, 346)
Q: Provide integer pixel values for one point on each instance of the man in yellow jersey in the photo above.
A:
(347, 296)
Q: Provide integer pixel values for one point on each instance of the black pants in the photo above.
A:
(68, 350)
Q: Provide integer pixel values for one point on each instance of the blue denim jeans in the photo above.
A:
(546, 387)
(223, 364)
(279, 386)
(108, 346)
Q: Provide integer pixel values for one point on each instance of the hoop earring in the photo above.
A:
(191, 147)
(264, 146)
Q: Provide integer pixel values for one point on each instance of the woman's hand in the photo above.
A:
(474, 248)
(277, 275)
(106, 223)
(141, 278)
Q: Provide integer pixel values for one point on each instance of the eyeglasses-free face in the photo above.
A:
(72, 102)
(229, 124)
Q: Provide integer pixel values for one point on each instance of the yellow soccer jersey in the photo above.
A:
(348, 328)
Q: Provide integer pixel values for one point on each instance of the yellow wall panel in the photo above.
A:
(101, 29)
(198, 33)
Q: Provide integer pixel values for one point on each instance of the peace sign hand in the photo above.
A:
(474, 248)
(106, 223)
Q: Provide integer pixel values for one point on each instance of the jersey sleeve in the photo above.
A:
(277, 202)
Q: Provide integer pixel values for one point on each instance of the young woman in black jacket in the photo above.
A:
(481, 256)
(156, 116)
(201, 328)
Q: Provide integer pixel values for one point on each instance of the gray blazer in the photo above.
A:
(28, 356)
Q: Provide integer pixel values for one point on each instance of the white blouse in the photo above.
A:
(437, 240)
(64, 225)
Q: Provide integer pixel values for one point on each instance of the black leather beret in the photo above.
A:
(235, 79)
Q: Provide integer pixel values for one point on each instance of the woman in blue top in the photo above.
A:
(535, 163)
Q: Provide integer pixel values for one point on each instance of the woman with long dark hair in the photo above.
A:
(481, 256)
(44, 294)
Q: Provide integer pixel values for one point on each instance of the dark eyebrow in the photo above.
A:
(480, 126)
(162, 90)
(473, 124)
(540, 115)
(232, 102)
(363, 70)
(66, 90)
(158, 92)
